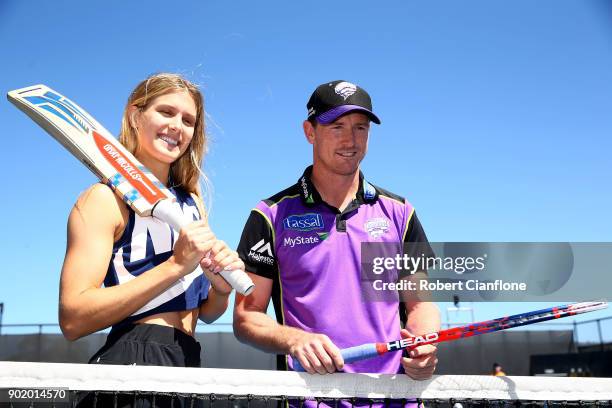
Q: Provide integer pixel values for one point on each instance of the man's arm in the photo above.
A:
(252, 325)
(422, 316)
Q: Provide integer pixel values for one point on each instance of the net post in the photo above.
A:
(575, 337)
(601, 342)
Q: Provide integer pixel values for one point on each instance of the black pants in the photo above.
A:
(144, 344)
(149, 344)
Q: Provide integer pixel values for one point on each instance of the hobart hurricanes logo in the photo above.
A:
(345, 89)
(376, 227)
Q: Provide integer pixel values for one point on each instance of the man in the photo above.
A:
(302, 248)
(498, 371)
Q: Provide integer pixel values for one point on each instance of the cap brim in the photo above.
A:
(331, 115)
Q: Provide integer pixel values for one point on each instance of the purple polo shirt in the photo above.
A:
(312, 252)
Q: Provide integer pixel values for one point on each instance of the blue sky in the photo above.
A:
(496, 115)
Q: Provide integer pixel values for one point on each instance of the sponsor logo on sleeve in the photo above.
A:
(376, 227)
(303, 222)
(261, 252)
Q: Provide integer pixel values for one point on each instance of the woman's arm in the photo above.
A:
(95, 222)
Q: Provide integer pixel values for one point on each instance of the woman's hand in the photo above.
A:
(195, 241)
(221, 258)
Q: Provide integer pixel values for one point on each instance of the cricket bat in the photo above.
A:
(112, 163)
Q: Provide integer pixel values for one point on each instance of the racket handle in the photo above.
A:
(165, 211)
(350, 355)
(357, 353)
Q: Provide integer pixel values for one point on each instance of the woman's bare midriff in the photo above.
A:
(185, 320)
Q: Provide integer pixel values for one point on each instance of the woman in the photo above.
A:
(154, 290)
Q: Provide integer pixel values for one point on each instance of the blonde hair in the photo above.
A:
(187, 170)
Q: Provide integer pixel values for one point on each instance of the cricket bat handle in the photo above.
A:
(165, 211)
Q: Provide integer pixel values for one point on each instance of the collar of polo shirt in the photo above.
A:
(366, 193)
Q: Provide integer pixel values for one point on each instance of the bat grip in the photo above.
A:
(165, 210)
(350, 355)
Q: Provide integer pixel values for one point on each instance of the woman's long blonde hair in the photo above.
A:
(187, 170)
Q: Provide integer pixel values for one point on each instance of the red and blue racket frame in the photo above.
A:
(371, 350)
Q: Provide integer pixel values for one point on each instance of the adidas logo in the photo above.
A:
(262, 252)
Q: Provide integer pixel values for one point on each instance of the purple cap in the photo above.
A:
(333, 99)
(331, 115)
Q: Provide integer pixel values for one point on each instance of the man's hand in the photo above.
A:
(422, 361)
(316, 353)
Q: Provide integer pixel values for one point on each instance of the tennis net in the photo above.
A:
(72, 385)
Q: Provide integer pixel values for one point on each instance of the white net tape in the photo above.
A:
(269, 383)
